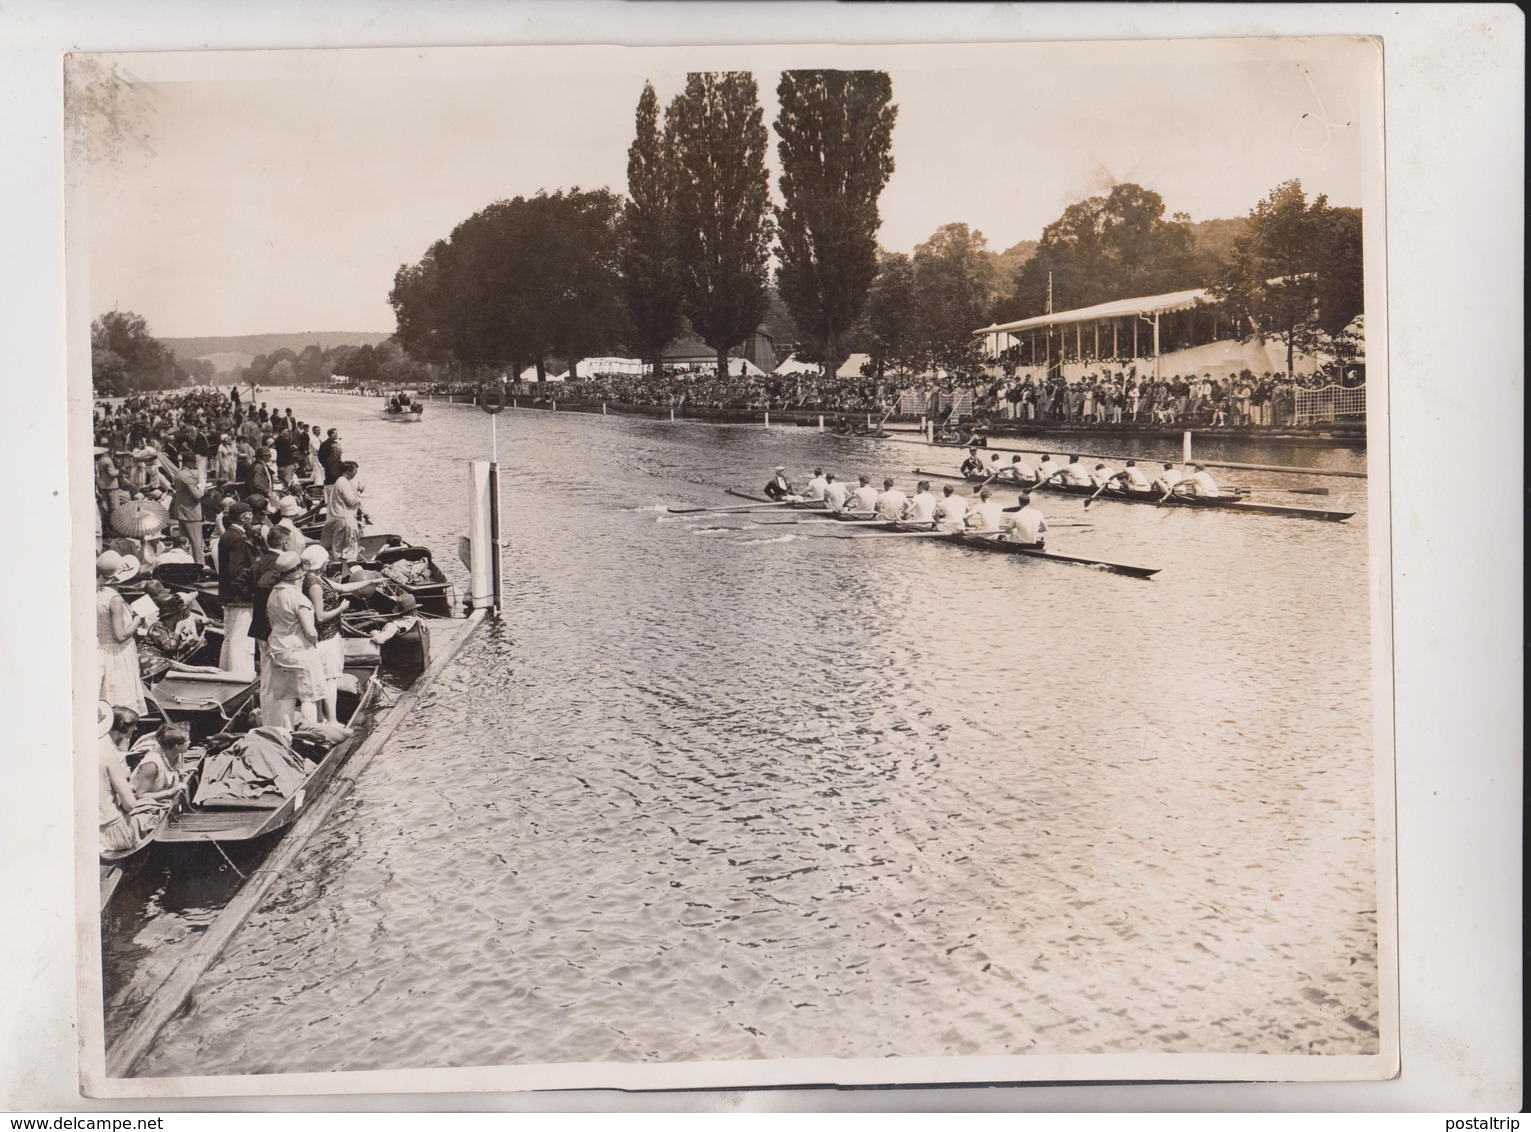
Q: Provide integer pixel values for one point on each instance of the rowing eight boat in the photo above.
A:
(970, 539)
(1123, 496)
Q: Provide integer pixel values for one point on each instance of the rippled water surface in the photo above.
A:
(721, 789)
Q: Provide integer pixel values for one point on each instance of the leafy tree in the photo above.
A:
(359, 365)
(1295, 275)
(516, 281)
(1115, 246)
(835, 131)
(889, 328)
(722, 200)
(126, 357)
(651, 272)
(954, 280)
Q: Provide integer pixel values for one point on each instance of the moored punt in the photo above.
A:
(971, 540)
(247, 819)
(1121, 495)
(204, 701)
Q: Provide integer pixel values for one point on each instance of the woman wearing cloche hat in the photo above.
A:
(116, 629)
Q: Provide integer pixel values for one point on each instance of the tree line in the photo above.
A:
(578, 273)
(688, 250)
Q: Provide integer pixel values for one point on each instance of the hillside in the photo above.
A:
(248, 345)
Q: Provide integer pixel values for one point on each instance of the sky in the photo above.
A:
(265, 192)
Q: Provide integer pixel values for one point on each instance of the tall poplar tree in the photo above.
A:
(650, 268)
(835, 132)
(722, 199)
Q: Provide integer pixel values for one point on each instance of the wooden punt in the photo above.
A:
(247, 820)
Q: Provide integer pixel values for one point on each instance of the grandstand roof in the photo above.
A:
(1117, 308)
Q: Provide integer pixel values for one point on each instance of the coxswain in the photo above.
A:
(922, 507)
(834, 493)
(864, 498)
(973, 465)
(891, 503)
(985, 515)
(1199, 484)
(815, 489)
(1076, 474)
(779, 486)
(1027, 525)
(951, 512)
(1167, 480)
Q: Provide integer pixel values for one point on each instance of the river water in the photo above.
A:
(722, 789)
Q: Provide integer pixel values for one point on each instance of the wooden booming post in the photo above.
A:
(821, 422)
(768, 418)
(603, 408)
(1185, 447)
(485, 548)
(672, 414)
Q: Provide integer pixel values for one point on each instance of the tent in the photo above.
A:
(529, 375)
(851, 367)
(793, 367)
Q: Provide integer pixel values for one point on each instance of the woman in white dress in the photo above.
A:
(116, 634)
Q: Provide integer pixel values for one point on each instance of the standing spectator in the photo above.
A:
(116, 634)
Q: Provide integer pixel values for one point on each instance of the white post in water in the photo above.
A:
(603, 408)
(555, 404)
(484, 545)
(929, 427)
(821, 422)
(672, 414)
(768, 418)
(1185, 447)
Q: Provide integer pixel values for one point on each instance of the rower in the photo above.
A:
(1199, 483)
(834, 493)
(891, 503)
(816, 486)
(1027, 525)
(972, 466)
(922, 507)
(996, 466)
(951, 512)
(1048, 469)
(1100, 476)
(1076, 474)
(780, 486)
(864, 498)
(1167, 480)
(1019, 471)
(1132, 477)
(985, 515)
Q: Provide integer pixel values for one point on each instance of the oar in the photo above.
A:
(721, 510)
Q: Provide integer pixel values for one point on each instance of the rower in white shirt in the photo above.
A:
(864, 498)
(1199, 483)
(1048, 469)
(922, 507)
(1076, 474)
(1100, 476)
(834, 493)
(996, 466)
(1132, 478)
(1167, 479)
(815, 489)
(1018, 471)
(951, 512)
(1027, 525)
(891, 503)
(985, 515)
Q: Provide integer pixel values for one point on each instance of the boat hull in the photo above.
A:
(1153, 497)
